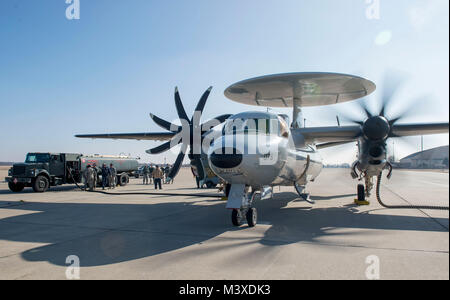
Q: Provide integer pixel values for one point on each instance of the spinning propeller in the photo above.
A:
(185, 134)
(379, 127)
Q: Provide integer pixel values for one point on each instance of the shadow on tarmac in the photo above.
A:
(103, 234)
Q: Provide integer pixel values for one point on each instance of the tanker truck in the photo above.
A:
(40, 171)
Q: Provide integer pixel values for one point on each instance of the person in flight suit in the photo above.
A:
(105, 176)
(89, 178)
(112, 176)
(146, 173)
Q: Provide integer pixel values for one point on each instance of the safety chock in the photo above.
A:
(224, 198)
(364, 202)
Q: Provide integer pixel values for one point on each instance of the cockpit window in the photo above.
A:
(262, 126)
(37, 158)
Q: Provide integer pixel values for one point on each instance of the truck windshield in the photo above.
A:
(37, 158)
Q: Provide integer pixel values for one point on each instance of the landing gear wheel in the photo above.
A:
(361, 193)
(41, 184)
(236, 217)
(252, 217)
(16, 187)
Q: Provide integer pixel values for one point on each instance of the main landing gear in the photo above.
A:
(247, 211)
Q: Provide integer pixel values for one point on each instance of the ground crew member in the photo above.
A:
(146, 173)
(157, 177)
(112, 176)
(169, 180)
(195, 173)
(89, 178)
(105, 176)
(151, 172)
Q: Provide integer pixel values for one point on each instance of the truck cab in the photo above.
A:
(40, 171)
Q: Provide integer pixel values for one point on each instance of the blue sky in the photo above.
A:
(122, 59)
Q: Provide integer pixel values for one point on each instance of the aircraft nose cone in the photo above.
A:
(224, 160)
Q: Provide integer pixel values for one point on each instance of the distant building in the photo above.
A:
(436, 158)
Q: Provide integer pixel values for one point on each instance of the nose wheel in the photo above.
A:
(251, 214)
(247, 211)
(236, 217)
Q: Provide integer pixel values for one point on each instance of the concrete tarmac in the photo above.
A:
(190, 237)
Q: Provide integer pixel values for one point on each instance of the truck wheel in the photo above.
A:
(16, 187)
(124, 179)
(41, 184)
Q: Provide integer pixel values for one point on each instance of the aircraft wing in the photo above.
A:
(419, 129)
(153, 136)
(328, 134)
(337, 135)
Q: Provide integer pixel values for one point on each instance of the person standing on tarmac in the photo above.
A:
(112, 176)
(151, 168)
(195, 173)
(146, 173)
(105, 176)
(89, 176)
(157, 175)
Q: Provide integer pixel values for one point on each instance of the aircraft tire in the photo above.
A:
(361, 192)
(236, 217)
(252, 217)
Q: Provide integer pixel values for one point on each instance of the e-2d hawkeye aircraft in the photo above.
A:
(254, 151)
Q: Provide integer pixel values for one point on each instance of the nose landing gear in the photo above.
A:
(247, 210)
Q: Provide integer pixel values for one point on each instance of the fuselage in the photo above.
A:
(257, 149)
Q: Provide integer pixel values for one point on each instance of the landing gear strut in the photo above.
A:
(301, 192)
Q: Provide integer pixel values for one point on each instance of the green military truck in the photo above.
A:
(40, 171)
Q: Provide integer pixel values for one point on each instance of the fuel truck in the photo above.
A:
(40, 171)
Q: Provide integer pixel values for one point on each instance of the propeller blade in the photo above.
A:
(351, 120)
(214, 122)
(160, 149)
(390, 87)
(201, 103)
(417, 105)
(223, 118)
(176, 167)
(166, 146)
(164, 124)
(179, 105)
(363, 105)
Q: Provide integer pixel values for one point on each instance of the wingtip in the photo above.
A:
(210, 88)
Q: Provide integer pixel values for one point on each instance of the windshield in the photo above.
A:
(261, 126)
(37, 158)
